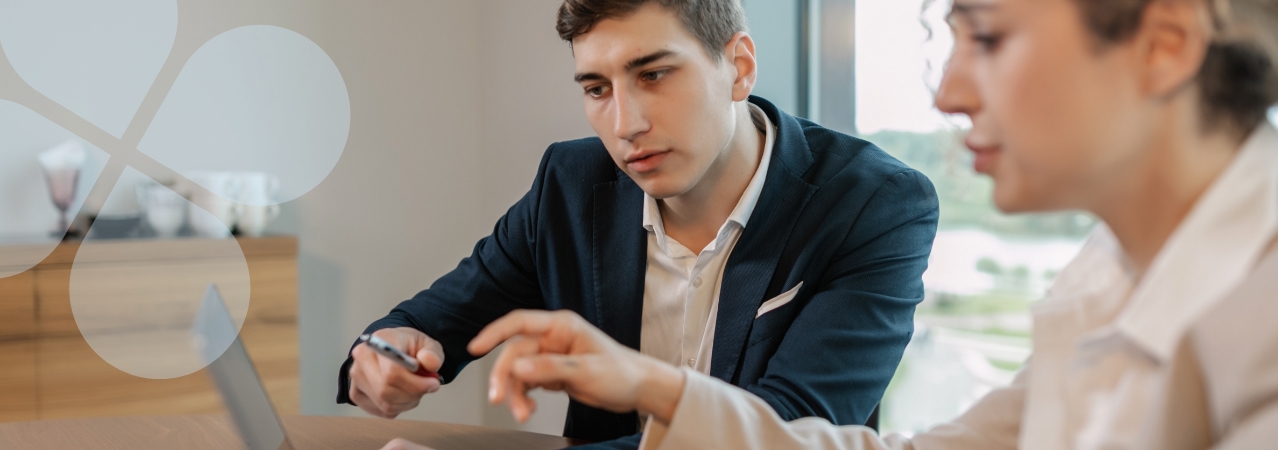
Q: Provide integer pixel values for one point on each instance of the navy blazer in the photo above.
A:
(836, 212)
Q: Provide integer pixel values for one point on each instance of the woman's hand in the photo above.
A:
(560, 351)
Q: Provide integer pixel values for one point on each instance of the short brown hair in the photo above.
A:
(1237, 80)
(712, 22)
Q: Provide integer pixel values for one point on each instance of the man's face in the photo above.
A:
(662, 106)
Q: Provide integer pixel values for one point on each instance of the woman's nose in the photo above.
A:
(957, 94)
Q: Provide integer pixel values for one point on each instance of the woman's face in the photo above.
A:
(1056, 119)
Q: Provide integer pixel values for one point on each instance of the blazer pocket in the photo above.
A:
(777, 302)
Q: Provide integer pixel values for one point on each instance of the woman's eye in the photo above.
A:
(988, 42)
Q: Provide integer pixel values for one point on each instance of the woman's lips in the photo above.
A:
(648, 163)
(984, 157)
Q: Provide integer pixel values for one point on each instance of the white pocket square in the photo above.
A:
(777, 302)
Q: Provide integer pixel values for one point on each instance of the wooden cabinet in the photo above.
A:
(17, 306)
(49, 371)
(18, 381)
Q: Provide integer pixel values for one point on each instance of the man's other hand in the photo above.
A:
(383, 388)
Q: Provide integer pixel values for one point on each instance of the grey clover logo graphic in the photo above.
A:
(80, 81)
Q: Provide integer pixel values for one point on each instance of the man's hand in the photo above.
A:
(383, 388)
(561, 351)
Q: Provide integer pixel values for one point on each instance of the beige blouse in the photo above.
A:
(1183, 359)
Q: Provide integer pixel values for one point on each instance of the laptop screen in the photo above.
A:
(214, 336)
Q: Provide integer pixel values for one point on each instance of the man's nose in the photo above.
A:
(629, 122)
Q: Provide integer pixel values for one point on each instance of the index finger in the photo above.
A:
(527, 322)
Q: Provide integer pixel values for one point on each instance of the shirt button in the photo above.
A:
(692, 361)
(697, 282)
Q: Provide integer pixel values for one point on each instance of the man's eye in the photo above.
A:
(653, 76)
(595, 91)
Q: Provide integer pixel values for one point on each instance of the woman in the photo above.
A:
(1150, 114)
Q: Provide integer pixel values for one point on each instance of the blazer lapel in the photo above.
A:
(749, 273)
(619, 260)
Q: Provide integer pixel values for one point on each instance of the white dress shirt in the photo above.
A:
(682, 289)
(1182, 358)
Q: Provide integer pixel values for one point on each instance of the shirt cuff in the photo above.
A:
(699, 390)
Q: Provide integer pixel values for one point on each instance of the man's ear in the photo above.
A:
(1172, 43)
(741, 53)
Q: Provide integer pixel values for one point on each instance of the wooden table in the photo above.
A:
(305, 432)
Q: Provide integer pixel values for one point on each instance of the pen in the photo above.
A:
(404, 360)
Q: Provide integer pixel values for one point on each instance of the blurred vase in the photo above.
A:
(62, 165)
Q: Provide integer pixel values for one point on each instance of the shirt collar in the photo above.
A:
(1210, 252)
(742, 212)
(747, 203)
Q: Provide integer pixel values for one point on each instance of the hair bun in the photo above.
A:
(1248, 22)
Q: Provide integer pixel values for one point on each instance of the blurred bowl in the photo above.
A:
(114, 227)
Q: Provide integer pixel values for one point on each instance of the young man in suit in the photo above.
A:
(703, 226)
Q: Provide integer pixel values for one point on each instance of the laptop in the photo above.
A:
(214, 335)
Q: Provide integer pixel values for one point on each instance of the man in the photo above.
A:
(703, 227)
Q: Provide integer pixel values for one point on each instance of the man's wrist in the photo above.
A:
(344, 382)
(660, 391)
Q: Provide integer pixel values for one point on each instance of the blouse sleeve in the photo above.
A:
(714, 414)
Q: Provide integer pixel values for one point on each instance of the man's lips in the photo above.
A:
(646, 160)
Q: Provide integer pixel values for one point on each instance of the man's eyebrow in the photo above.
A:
(589, 76)
(643, 60)
(631, 65)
